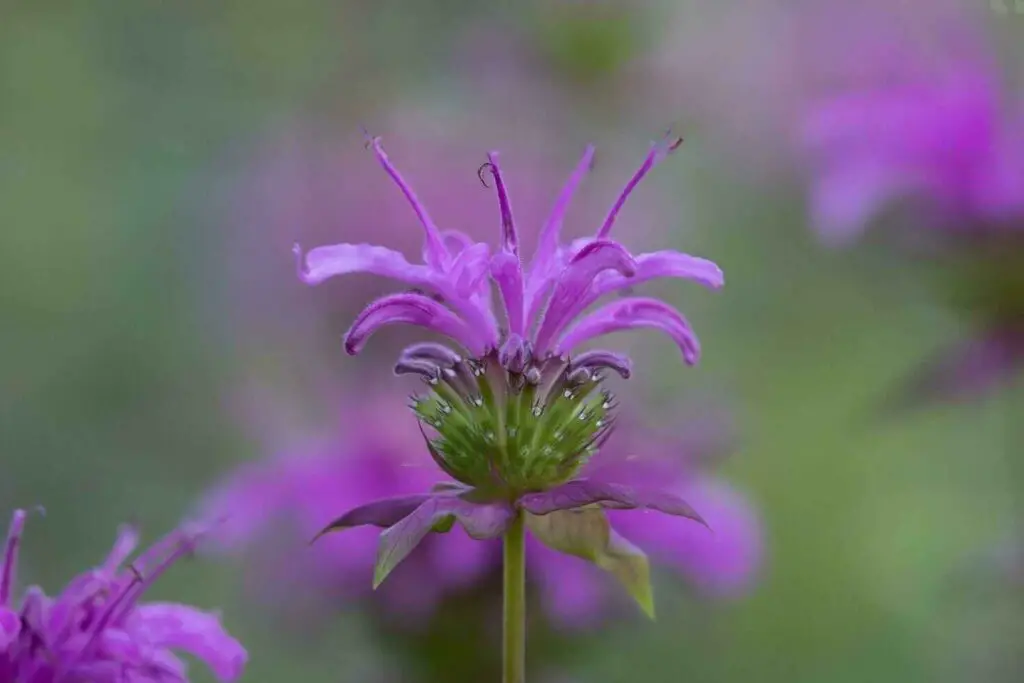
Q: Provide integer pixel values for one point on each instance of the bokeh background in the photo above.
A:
(158, 160)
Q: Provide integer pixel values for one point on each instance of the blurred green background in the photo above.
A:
(123, 127)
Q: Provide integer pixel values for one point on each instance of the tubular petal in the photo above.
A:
(325, 262)
(548, 243)
(594, 258)
(199, 633)
(412, 309)
(10, 563)
(632, 313)
(509, 238)
(658, 151)
(507, 272)
(434, 251)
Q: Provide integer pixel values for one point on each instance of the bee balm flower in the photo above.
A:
(517, 411)
(97, 631)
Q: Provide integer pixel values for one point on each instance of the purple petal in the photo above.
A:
(573, 283)
(724, 563)
(480, 520)
(10, 627)
(456, 240)
(844, 199)
(632, 313)
(509, 238)
(383, 513)
(198, 633)
(469, 270)
(507, 272)
(412, 309)
(660, 264)
(126, 543)
(584, 492)
(574, 592)
(322, 263)
(658, 151)
(10, 563)
(434, 251)
(548, 243)
(619, 362)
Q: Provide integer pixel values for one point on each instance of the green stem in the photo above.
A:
(514, 649)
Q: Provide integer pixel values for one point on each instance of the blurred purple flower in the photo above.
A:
(722, 562)
(97, 631)
(945, 142)
(371, 455)
(926, 125)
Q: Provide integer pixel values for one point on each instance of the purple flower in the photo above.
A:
(720, 564)
(943, 138)
(97, 631)
(936, 135)
(370, 455)
(517, 410)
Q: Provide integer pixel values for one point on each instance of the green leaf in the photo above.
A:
(586, 533)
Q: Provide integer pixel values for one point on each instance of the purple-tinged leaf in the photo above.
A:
(383, 513)
(585, 492)
(587, 534)
(480, 520)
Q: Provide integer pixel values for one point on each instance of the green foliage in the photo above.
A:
(586, 533)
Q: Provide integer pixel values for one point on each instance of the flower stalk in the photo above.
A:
(514, 603)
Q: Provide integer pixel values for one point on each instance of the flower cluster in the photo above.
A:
(516, 410)
(97, 631)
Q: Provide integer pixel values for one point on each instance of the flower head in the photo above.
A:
(517, 411)
(97, 631)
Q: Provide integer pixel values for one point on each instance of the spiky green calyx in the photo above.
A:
(514, 432)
